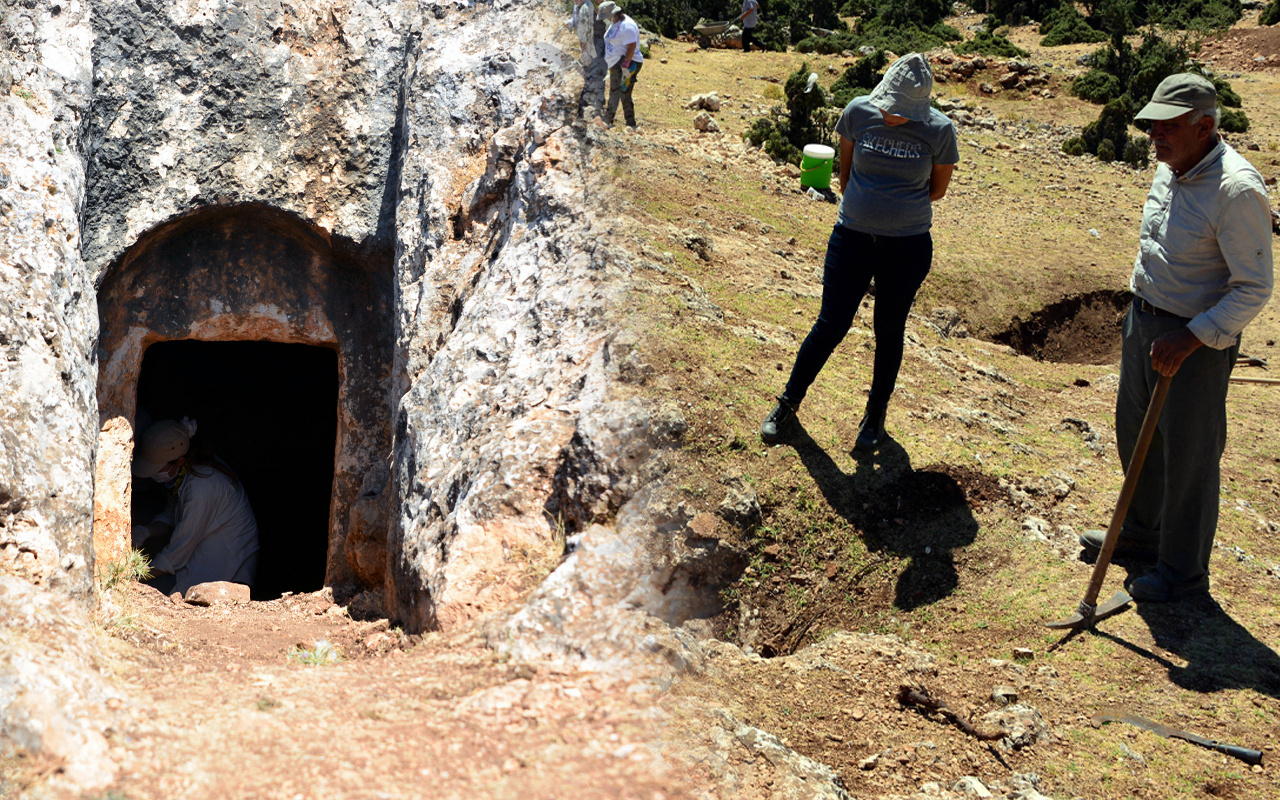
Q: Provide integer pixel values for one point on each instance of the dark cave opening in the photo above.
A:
(270, 411)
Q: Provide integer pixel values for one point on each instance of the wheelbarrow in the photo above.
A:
(712, 34)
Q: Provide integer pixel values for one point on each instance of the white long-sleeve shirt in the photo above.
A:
(1205, 246)
(215, 535)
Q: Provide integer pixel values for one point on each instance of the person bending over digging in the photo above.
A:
(211, 531)
(1202, 272)
(896, 158)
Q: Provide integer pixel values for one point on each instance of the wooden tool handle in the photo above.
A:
(1130, 485)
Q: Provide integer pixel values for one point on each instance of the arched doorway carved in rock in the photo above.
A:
(278, 341)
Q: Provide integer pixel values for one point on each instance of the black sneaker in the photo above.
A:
(1155, 587)
(871, 428)
(775, 425)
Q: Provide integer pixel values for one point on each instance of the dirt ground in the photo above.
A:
(221, 710)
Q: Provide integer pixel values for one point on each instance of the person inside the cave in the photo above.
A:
(897, 154)
(207, 531)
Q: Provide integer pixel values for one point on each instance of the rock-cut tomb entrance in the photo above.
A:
(277, 341)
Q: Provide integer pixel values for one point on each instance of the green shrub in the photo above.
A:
(1270, 14)
(1073, 146)
(1096, 86)
(1107, 136)
(1194, 15)
(826, 16)
(902, 26)
(856, 8)
(1233, 121)
(1125, 79)
(648, 23)
(1137, 152)
(1016, 12)
(990, 43)
(1066, 25)
(804, 120)
(1122, 16)
(1115, 16)
(858, 80)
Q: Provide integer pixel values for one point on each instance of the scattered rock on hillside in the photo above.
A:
(54, 700)
(1023, 725)
(705, 122)
(741, 506)
(794, 775)
(708, 102)
(206, 594)
(700, 244)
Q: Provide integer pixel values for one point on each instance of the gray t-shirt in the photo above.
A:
(888, 189)
(752, 19)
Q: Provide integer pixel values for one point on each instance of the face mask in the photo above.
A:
(165, 477)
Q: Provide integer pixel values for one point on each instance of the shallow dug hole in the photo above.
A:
(905, 547)
(1078, 329)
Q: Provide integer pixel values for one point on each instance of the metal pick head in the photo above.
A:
(1114, 605)
(1086, 615)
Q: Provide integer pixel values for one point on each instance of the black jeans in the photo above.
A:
(748, 37)
(898, 264)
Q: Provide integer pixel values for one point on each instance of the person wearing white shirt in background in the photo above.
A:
(621, 54)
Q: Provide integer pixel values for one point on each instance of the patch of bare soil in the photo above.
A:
(1080, 329)
(219, 709)
(1243, 49)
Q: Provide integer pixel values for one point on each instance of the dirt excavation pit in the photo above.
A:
(1079, 329)
(270, 411)
(276, 339)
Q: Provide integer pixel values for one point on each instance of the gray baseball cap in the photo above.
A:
(606, 11)
(1178, 94)
(904, 89)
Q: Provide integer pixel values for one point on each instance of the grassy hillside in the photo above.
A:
(959, 535)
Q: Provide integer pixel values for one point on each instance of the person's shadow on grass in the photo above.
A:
(1219, 652)
(920, 515)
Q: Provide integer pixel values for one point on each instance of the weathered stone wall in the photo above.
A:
(200, 103)
(48, 322)
(501, 327)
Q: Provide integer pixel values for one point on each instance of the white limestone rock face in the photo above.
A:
(198, 104)
(48, 320)
(502, 299)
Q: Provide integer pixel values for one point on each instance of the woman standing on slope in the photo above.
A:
(896, 157)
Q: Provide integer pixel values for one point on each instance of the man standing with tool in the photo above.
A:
(1203, 271)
